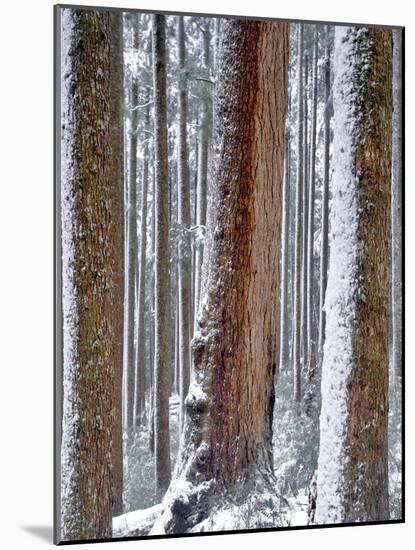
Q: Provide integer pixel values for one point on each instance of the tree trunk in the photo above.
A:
(298, 227)
(92, 294)
(140, 380)
(162, 259)
(184, 224)
(304, 273)
(132, 243)
(396, 208)
(285, 240)
(228, 423)
(311, 362)
(353, 461)
(205, 134)
(324, 247)
(153, 315)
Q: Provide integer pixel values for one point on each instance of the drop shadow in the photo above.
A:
(43, 532)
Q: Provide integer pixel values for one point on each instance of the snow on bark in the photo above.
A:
(70, 443)
(225, 454)
(352, 465)
(341, 287)
(92, 258)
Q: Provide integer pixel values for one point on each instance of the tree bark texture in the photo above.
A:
(228, 425)
(162, 258)
(92, 218)
(397, 207)
(353, 474)
(184, 223)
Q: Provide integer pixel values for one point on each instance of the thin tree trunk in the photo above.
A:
(201, 196)
(285, 238)
(311, 363)
(324, 248)
(132, 243)
(184, 224)
(92, 232)
(162, 259)
(298, 227)
(396, 208)
(153, 314)
(353, 461)
(140, 380)
(304, 273)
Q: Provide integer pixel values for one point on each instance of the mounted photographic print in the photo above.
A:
(228, 281)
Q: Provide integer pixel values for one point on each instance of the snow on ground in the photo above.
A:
(299, 509)
(135, 523)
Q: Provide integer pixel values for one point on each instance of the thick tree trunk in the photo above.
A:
(353, 461)
(298, 227)
(140, 379)
(162, 259)
(184, 224)
(324, 247)
(92, 230)
(228, 424)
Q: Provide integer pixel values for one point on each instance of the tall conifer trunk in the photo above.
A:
(235, 346)
(353, 461)
(92, 231)
(162, 259)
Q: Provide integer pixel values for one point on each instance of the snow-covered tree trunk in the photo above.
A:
(153, 311)
(298, 226)
(184, 222)
(203, 157)
(140, 379)
(92, 271)
(162, 262)
(353, 460)
(324, 243)
(311, 361)
(227, 441)
(285, 242)
(132, 242)
(304, 221)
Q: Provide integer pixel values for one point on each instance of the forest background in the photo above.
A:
(26, 279)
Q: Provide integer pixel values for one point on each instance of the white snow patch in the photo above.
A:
(135, 523)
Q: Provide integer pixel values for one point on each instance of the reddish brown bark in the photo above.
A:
(228, 426)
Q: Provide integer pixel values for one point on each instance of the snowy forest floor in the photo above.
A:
(140, 522)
